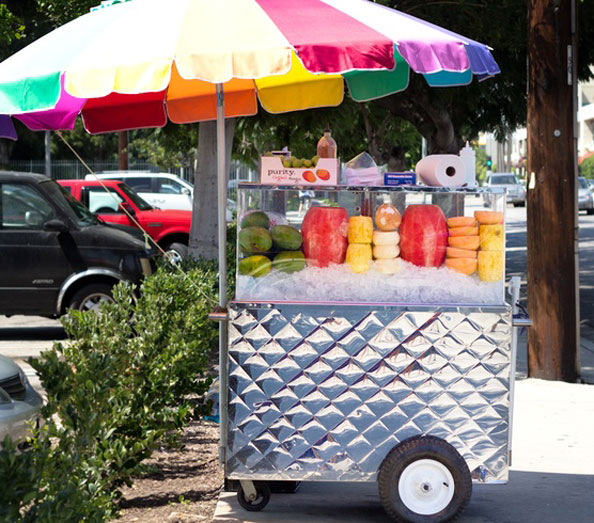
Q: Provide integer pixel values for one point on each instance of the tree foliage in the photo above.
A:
(388, 128)
(586, 168)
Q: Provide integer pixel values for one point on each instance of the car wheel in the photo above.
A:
(590, 211)
(104, 210)
(176, 252)
(90, 296)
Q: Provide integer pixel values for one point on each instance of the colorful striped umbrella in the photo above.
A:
(138, 63)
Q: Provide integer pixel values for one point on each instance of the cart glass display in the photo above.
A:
(370, 324)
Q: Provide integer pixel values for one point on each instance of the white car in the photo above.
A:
(516, 192)
(585, 196)
(162, 190)
(19, 402)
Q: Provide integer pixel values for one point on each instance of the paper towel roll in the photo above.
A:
(442, 170)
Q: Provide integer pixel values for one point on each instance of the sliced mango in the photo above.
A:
(453, 252)
(488, 217)
(461, 221)
(462, 265)
(471, 243)
(464, 231)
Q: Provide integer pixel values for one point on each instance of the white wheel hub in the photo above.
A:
(426, 487)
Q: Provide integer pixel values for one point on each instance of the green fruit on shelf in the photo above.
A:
(255, 219)
(315, 160)
(289, 261)
(256, 266)
(254, 240)
(286, 238)
(307, 163)
(286, 162)
(296, 163)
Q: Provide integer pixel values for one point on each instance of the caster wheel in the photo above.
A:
(424, 479)
(262, 497)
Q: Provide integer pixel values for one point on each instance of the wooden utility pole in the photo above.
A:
(123, 150)
(553, 297)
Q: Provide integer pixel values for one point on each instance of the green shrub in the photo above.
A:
(586, 168)
(124, 383)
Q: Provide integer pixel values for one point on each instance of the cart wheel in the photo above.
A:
(262, 497)
(424, 479)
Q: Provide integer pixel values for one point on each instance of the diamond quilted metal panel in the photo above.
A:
(325, 393)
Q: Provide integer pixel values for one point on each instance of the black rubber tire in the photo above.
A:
(100, 290)
(104, 210)
(589, 211)
(414, 449)
(177, 251)
(263, 491)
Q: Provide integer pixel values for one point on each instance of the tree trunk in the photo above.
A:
(123, 150)
(435, 124)
(203, 233)
(6, 147)
(553, 340)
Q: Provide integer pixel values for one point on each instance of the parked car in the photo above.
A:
(110, 199)
(585, 197)
(55, 254)
(516, 192)
(161, 190)
(19, 402)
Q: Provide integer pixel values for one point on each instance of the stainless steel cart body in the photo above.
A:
(406, 380)
(323, 393)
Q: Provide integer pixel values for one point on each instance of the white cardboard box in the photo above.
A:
(273, 172)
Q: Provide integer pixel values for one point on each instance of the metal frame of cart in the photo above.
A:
(418, 398)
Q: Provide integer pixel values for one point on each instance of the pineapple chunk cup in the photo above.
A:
(491, 237)
(490, 265)
(360, 229)
(358, 257)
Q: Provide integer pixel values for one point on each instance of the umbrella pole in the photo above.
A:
(222, 230)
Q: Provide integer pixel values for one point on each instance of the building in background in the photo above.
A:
(585, 119)
(510, 154)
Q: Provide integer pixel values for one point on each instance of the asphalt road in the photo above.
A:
(516, 257)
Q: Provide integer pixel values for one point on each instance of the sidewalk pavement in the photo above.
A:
(551, 478)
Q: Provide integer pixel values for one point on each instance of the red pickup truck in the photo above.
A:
(109, 198)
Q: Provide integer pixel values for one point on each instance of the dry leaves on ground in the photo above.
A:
(182, 485)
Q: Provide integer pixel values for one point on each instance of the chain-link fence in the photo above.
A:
(69, 169)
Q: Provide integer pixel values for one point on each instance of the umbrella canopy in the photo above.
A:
(139, 63)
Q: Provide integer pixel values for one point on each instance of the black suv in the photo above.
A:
(55, 254)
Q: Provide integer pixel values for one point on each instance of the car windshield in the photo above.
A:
(135, 197)
(75, 210)
(583, 183)
(504, 180)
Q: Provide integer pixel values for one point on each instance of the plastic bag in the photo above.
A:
(362, 170)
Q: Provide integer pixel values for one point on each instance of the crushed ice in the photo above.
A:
(337, 283)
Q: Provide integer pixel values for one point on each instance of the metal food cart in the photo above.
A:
(415, 395)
